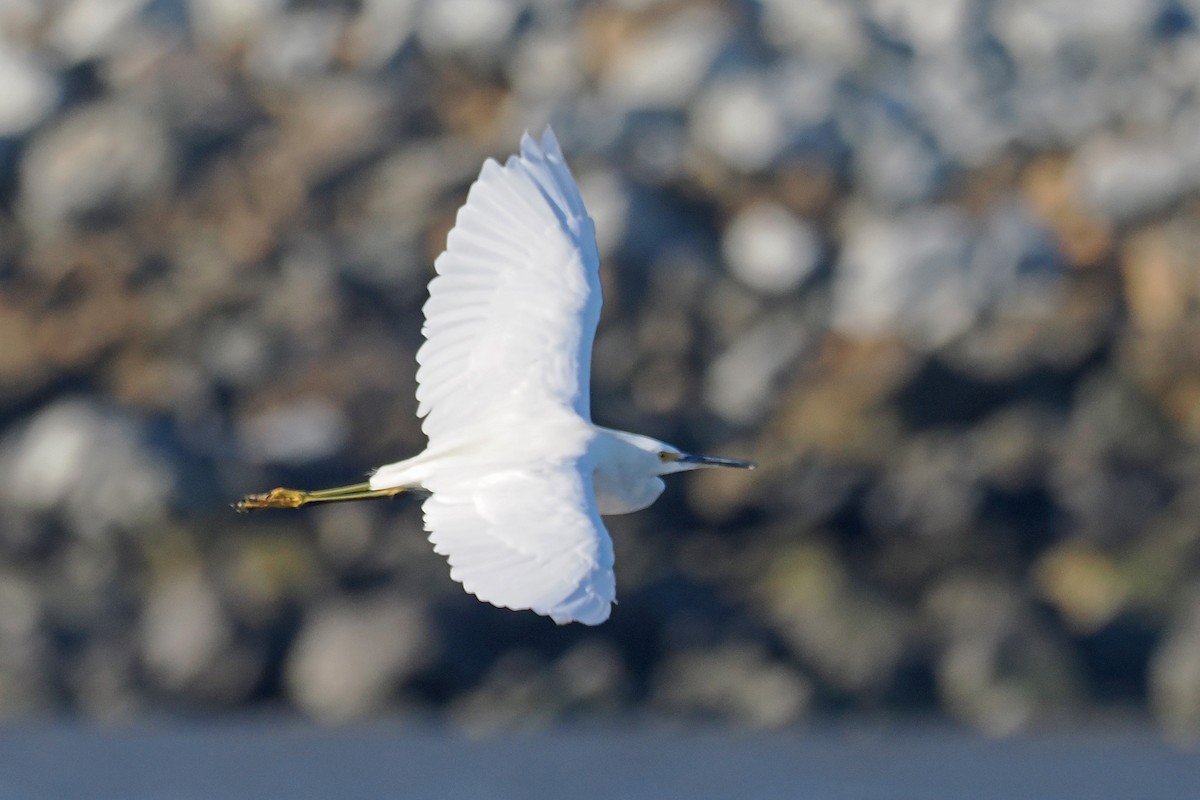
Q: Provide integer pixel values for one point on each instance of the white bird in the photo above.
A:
(517, 473)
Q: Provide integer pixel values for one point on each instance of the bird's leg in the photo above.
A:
(294, 498)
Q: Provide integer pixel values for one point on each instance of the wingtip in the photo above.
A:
(550, 142)
(532, 148)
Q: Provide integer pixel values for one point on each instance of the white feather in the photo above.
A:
(517, 473)
(504, 392)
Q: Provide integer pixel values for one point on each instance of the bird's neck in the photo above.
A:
(624, 475)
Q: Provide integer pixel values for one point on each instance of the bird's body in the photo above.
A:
(517, 473)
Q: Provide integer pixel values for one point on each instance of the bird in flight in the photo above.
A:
(517, 474)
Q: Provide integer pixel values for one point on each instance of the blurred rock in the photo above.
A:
(1175, 672)
(737, 119)
(86, 464)
(905, 274)
(87, 29)
(770, 250)
(739, 383)
(930, 488)
(1038, 31)
(852, 641)
(996, 671)
(328, 125)
(184, 631)
(933, 264)
(924, 26)
(827, 29)
(24, 682)
(97, 161)
(736, 683)
(1127, 180)
(956, 94)
(1083, 237)
(105, 680)
(471, 27)
(840, 410)
(662, 64)
(263, 578)
(296, 47)
(227, 23)
(1085, 585)
(895, 162)
(380, 30)
(548, 64)
(1159, 284)
(806, 92)
(30, 92)
(306, 430)
(522, 691)
(350, 657)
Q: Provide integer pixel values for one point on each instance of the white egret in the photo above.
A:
(518, 476)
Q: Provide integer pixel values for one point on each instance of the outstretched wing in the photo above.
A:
(527, 536)
(508, 331)
(513, 309)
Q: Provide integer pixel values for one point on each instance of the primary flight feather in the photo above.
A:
(518, 474)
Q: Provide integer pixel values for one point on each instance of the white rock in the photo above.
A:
(926, 25)
(829, 30)
(894, 163)
(1125, 179)
(1014, 265)
(769, 249)
(86, 29)
(86, 463)
(29, 92)
(381, 29)
(183, 630)
(467, 26)
(1046, 29)
(1174, 680)
(235, 352)
(350, 656)
(905, 275)
(738, 119)
(738, 385)
(94, 160)
(961, 111)
(296, 47)
(804, 91)
(306, 430)
(547, 64)
(225, 22)
(665, 65)
(737, 681)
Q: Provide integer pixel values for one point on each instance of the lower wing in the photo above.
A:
(525, 537)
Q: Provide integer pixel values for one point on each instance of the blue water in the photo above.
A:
(261, 760)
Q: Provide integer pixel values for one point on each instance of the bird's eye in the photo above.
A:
(663, 456)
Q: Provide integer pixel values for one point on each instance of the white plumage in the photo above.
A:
(517, 473)
(508, 339)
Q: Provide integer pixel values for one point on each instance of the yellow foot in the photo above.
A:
(276, 498)
(294, 498)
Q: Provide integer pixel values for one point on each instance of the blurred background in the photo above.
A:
(934, 265)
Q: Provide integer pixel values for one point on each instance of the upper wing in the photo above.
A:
(513, 309)
(525, 537)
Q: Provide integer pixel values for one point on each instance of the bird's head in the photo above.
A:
(660, 458)
(628, 469)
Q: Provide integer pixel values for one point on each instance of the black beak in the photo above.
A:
(714, 461)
